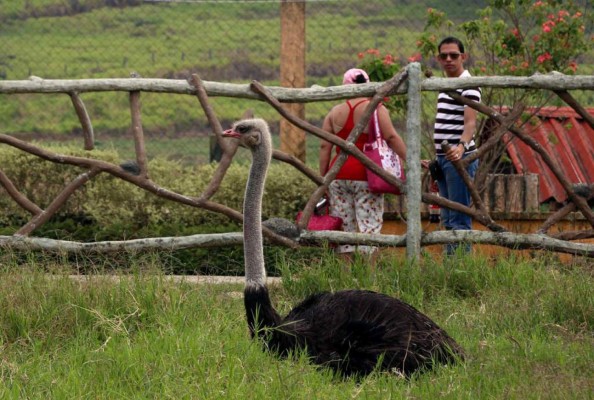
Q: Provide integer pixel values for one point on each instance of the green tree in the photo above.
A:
(513, 37)
(516, 37)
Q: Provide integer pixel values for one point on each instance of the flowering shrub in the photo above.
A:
(512, 37)
(381, 68)
(516, 37)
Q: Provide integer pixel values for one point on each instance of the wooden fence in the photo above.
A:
(409, 81)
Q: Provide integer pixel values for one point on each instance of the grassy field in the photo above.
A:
(527, 327)
(191, 150)
(225, 42)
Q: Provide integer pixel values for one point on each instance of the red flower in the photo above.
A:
(415, 57)
(548, 26)
(544, 57)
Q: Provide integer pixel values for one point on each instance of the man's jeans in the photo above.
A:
(453, 188)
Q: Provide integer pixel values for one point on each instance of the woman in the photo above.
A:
(350, 198)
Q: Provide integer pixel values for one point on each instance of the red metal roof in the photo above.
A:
(567, 138)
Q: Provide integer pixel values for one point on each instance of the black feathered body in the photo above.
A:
(352, 332)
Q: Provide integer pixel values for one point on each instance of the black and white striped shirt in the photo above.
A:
(449, 121)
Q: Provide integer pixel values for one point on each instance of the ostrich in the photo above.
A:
(351, 331)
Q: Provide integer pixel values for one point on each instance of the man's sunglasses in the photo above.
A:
(453, 56)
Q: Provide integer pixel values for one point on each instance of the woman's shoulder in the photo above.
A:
(338, 109)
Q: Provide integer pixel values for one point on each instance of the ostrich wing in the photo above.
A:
(353, 331)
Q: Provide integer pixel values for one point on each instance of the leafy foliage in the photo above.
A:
(515, 37)
(109, 202)
(381, 68)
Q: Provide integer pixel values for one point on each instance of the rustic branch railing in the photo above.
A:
(140, 177)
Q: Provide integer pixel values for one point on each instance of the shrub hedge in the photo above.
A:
(108, 208)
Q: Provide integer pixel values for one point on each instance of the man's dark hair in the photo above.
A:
(450, 40)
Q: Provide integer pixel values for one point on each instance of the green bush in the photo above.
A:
(108, 208)
(112, 204)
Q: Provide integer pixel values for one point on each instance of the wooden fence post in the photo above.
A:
(292, 71)
(413, 164)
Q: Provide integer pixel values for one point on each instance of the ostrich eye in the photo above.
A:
(242, 129)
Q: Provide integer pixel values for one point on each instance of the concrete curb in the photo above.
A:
(197, 279)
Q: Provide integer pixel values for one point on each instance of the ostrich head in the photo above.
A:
(252, 133)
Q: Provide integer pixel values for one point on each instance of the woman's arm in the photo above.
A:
(326, 147)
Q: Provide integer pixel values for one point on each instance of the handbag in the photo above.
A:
(435, 171)
(321, 220)
(381, 154)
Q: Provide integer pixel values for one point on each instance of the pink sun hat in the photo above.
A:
(351, 75)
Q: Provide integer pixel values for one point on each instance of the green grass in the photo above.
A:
(526, 325)
(83, 39)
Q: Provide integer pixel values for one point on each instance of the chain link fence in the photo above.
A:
(226, 41)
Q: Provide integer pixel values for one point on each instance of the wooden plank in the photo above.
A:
(488, 193)
(514, 202)
(498, 193)
(532, 193)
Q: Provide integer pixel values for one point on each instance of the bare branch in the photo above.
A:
(574, 235)
(572, 102)
(294, 95)
(494, 140)
(556, 217)
(564, 211)
(41, 218)
(476, 199)
(515, 241)
(198, 84)
(229, 147)
(298, 164)
(108, 247)
(138, 134)
(580, 202)
(85, 121)
(141, 182)
(503, 239)
(17, 196)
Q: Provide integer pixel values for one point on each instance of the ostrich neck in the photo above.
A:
(253, 250)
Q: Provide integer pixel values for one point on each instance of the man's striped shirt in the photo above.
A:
(449, 121)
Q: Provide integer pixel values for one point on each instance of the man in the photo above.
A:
(455, 123)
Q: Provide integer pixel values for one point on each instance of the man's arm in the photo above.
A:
(470, 115)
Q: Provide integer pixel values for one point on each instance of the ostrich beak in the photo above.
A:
(231, 133)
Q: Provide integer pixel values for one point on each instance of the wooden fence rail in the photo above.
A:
(407, 82)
